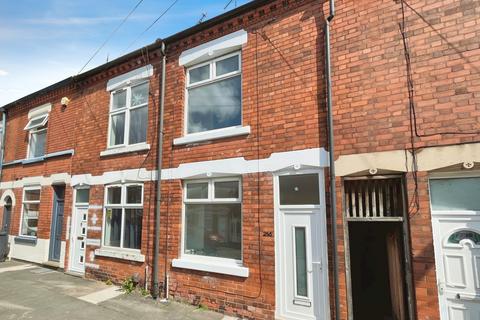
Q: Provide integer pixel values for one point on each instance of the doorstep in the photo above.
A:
(51, 264)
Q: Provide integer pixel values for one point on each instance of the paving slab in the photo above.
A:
(33, 292)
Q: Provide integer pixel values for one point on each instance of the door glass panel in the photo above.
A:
(464, 234)
(301, 262)
(455, 194)
(83, 196)
(299, 189)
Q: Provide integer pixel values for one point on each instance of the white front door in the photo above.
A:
(78, 239)
(301, 249)
(456, 232)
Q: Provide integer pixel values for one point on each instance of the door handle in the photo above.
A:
(319, 263)
(79, 238)
(440, 288)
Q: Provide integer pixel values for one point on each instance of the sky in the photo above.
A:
(43, 42)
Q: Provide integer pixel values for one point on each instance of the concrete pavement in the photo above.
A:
(32, 292)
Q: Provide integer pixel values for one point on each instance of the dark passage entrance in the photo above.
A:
(377, 271)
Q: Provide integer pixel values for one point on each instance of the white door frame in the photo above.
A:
(73, 227)
(321, 209)
(438, 239)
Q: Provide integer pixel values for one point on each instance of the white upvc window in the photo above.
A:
(214, 94)
(30, 210)
(123, 216)
(37, 128)
(128, 115)
(212, 227)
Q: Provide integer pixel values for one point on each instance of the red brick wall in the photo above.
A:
(371, 99)
(282, 85)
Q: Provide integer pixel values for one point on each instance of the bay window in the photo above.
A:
(123, 216)
(213, 218)
(31, 208)
(214, 94)
(129, 115)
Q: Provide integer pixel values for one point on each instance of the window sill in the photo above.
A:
(126, 149)
(25, 240)
(212, 135)
(69, 152)
(120, 254)
(216, 267)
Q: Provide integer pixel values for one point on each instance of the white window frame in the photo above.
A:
(29, 125)
(212, 79)
(36, 129)
(127, 110)
(23, 209)
(122, 205)
(211, 200)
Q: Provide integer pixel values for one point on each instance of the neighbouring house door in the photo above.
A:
(456, 231)
(4, 231)
(7, 213)
(301, 271)
(57, 224)
(78, 239)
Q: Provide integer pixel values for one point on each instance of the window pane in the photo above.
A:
(226, 189)
(197, 190)
(455, 194)
(216, 105)
(32, 195)
(114, 195)
(138, 125)
(464, 234)
(37, 144)
(299, 189)
(301, 261)
(132, 235)
(113, 224)
(213, 230)
(134, 194)
(117, 131)
(30, 219)
(119, 100)
(139, 94)
(83, 196)
(227, 65)
(199, 74)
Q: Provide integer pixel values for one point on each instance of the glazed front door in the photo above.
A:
(302, 290)
(78, 239)
(456, 231)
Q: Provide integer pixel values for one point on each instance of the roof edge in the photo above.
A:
(155, 45)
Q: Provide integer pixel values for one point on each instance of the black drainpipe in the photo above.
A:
(156, 245)
(331, 144)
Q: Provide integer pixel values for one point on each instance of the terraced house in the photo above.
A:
(200, 163)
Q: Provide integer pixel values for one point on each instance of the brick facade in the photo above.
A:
(283, 103)
(372, 107)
